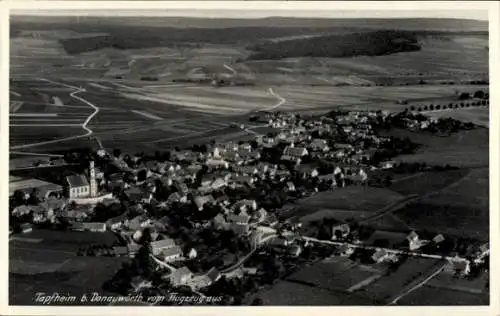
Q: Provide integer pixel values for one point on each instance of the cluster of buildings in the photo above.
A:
(344, 143)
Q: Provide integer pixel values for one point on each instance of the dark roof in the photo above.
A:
(77, 180)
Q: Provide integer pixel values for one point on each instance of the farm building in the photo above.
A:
(27, 185)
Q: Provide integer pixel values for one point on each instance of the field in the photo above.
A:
(428, 182)
(46, 261)
(292, 293)
(432, 296)
(355, 198)
(337, 273)
(463, 149)
(478, 116)
(390, 285)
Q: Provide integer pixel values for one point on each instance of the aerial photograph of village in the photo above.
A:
(254, 159)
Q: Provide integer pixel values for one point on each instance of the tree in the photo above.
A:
(420, 109)
(431, 107)
(257, 302)
(479, 94)
(464, 96)
(438, 107)
(425, 108)
(412, 108)
(117, 152)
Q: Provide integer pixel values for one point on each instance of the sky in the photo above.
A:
(249, 9)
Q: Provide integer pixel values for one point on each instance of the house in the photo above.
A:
(260, 215)
(180, 276)
(387, 164)
(181, 187)
(290, 186)
(192, 253)
(120, 251)
(245, 206)
(76, 215)
(213, 274)
(22, 210)
(345, 250)
(340, 231)
(381, 255)
(238, 219)
(77, 186)
(138, 222)
(240, 229)
(250, 155)
(138, 284)
(200, 201)
(250, 270)
(231, 156)
(217, 163)
(243, 180)
(94, 227)
(133, 248)
(137, 195)
(413, 240)
(279, 242)
(245, 170)
(160, 245)
(438, 239)
(459, 266)
(293, 153)
(171, 254)
(306, 171)
(319, 145)
(295, 250)
(219, 222)
(117, 222)
(26, 228)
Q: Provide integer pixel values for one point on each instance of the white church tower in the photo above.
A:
(93, 183)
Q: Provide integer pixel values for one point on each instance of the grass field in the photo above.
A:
(286, 293)
(428, 182)
(432, 296)
(463, 149)
(446, 280)
(391, 284)
(476, 115)
(336, 273)
(50, 264)
(356, 198)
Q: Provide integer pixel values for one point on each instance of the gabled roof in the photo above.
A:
(173, 251)
(213, 274)
(379, 254)
(238, 218)
(164, 243)
(77, 181)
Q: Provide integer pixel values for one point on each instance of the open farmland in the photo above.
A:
(356, 198)
(337, 273)
(390, 285)
(368, 98)
(462, 149)
(293, 293)
(477, 115)
(426, 295)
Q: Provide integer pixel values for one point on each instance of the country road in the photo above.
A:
(418, 282)
(84, 125)
(391, 208)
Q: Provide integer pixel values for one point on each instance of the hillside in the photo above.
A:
(346, 45)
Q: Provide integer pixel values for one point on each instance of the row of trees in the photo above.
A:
(433, 107)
